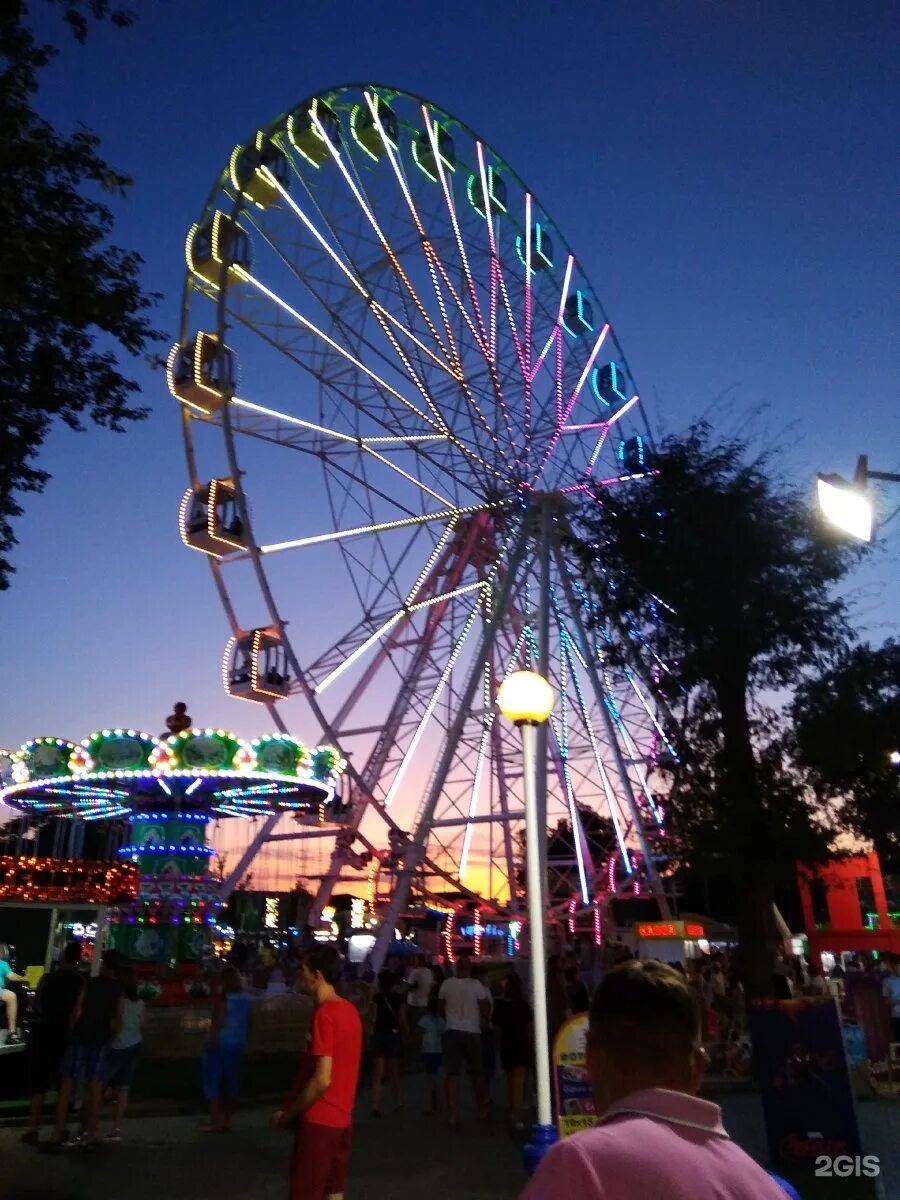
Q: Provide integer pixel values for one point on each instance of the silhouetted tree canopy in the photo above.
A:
(70, 301)
(846, 724)
(716, 570)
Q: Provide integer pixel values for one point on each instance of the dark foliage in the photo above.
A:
(846, 724)
(70, 302)
(716, 568)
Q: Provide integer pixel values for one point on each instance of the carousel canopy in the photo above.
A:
(123, 773)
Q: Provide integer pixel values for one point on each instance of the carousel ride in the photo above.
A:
(164, 792)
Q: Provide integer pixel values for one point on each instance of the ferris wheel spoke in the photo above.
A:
(436, 268)
(414, 377)
(405, 611)
(308, 325)
(431, 705)
(396, 265)
(636, 758)
(423, 238)
(277, 419)
(479, 767)
(611, 800)
(528, 331)
(378, 309)
(481, 336)
(572, 401)
(613, 728)
(497, 282)
(559, 727)
(276, 436)
(381, 527)
(387, 440)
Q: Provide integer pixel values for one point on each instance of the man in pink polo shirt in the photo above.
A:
(655, 1138)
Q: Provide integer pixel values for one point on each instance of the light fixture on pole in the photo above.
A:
(894, 758)
(849, 504)
(526, 699)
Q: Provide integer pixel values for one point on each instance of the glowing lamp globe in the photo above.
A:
(847, 506)
(525, 697)
(894, 758)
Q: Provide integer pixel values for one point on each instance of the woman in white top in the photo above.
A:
(125, 1050)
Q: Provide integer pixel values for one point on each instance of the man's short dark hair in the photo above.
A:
(647, 1008)
(113, 960)
(71, 955)
(327, 961)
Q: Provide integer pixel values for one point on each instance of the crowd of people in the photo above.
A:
(651, 1027)
(645, 1060)
(85, 1044)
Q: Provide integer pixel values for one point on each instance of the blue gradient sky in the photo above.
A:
(727, 174)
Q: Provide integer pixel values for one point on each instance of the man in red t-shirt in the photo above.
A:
(324, 1090)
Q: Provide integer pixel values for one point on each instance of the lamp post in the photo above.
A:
(848, 504)
(526, 699)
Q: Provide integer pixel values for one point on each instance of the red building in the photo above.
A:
(845, 907)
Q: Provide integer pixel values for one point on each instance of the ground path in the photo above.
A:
(403, 1155)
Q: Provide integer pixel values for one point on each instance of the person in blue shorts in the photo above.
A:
(221, 1062)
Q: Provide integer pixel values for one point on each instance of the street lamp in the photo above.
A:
(526, 699)
(848, 505)
(894, 758)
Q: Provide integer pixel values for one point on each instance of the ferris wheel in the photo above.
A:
(396, 382)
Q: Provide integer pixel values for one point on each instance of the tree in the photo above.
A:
(846, 724)
(69, 300)
(713, 566)
(709, 840)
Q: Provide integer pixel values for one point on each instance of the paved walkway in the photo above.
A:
(401, 1156)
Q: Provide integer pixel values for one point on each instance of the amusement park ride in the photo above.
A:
(169, 789)
(396, 383)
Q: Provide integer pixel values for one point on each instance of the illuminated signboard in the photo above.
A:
(54, 880)
(668, 929)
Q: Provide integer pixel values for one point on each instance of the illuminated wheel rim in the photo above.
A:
(413, 319)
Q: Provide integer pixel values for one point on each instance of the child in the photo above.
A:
(229, 1031)
(125, 1049)
(432, 1026)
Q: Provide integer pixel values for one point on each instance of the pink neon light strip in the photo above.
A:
(592, 461)
(543, 354)
(559, 373)
(529, 376)
(495, 258)
(436, 267)
(623, 410)
(573, 400)
(395, 262)
(470, 283)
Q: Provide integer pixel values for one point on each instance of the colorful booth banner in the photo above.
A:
(574, 1102)
(800, 1062)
